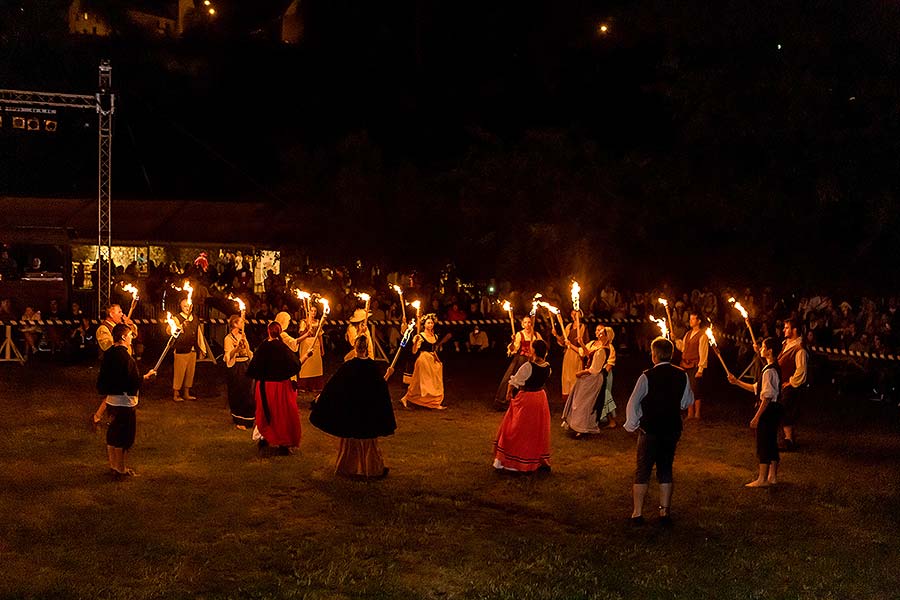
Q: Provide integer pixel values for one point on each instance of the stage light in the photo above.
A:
(50, 125)
(33, 124)
(18, 122)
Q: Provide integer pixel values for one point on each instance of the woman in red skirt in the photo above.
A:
(523, 442)
(277, 417)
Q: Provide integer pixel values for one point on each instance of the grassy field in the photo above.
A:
(207, 518)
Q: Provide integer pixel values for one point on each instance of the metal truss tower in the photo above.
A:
(104, 103)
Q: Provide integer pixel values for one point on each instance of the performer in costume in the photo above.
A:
(185, 349)
(277, 419)
(355, 406)
(426, 388)
(654, 411)
(768, 413)
(523, 440)
(114, 316)
(520, 351)
(237, 359)
(591, 402)
(694, 353)
(120, 382)
(311, 371)
(284, 320)
(792, 361)
(359, 327)
(105, 341)
(573, 360)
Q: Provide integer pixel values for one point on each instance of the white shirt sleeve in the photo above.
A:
(704, 352)
(633, 411)
(521, 376)
(770, 385)
(799, 376)
(597, 361)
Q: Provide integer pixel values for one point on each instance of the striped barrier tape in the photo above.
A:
(343, 322)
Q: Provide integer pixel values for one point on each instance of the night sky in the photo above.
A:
(693, 142)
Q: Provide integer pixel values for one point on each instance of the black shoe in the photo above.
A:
(790, 446)
(636, 521)
(665, 521)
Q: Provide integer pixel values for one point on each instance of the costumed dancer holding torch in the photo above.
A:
(186, 347)
(520, 351)
(407, 358)
(768, 413)
(312, 370)
(694, 354)
(591, 402)
(426, 388)
(359, 325)
(237, 359)
(573, 340)
(119, 381)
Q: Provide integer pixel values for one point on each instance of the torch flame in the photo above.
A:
(187, 288)
(661, 323)
(240, 302)
(549, 307)
(712, 338)
(507, 307)
(741, 309)
(325, 308)
(131, 290)
(416, 305)
(663, 301)
(363, 296)
(173, 327)
(576, 299)
(301, 295)
(397, 289)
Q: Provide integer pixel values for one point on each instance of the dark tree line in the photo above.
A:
(737, 141)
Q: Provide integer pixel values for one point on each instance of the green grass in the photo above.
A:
(207, 518)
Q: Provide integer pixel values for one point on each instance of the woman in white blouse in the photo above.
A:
(590, 402)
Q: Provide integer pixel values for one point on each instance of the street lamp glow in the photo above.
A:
(205, 2)
(212, 11)
(602, 29)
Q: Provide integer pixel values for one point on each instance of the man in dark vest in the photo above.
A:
(694, 353)
(654, 411)
(186, 347)
(792, 362)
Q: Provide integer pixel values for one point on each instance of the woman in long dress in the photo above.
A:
(523, 440)
(426, 388)
(237, 359)
(277, 418)
(311, 371)
(590, 402)
(355, 406)
(573, 340)
(520, 351)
